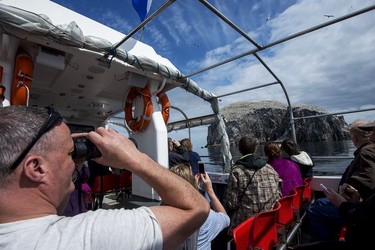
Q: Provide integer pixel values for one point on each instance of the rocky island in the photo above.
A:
(269, 120)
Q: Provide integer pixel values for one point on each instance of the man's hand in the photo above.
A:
(350, 193)
(334, 197)
(176, 143)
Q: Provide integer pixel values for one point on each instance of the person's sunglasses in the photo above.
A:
(53, 118)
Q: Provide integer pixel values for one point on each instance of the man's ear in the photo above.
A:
(35, 168)
(355, 139)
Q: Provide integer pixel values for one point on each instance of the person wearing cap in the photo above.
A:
(369, 127)
(324, 218)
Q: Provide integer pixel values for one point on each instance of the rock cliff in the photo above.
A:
(269, 120)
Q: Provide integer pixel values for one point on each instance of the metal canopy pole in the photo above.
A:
(131, 33)
(230, 23)
(186, 118)
(298, 34)
(286, 95)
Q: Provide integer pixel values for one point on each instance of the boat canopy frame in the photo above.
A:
(188, 123)
(39, 26)
(191, 87)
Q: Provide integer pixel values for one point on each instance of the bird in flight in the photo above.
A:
(329, 16)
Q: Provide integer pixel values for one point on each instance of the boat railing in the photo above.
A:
(219, 164)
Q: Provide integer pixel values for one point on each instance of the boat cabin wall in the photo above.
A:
(154, 142)
(8, 49)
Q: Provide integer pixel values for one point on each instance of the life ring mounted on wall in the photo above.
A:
(140, 123)
(22, 78)
(165, 106)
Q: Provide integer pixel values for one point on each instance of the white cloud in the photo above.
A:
(330, 65)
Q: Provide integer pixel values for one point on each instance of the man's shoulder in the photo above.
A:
(238, 168)
(242, 169)
(194, 154)
(369, 148)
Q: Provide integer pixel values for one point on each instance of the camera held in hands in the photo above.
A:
(85, 149)
(201, 167)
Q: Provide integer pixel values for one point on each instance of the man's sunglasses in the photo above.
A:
(53, 118)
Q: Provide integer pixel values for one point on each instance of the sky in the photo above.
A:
(332, 68)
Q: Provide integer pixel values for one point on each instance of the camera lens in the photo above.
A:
(85, 149)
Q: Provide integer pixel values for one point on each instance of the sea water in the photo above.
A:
(330, 157)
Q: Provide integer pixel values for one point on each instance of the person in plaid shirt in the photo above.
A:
(253, 185)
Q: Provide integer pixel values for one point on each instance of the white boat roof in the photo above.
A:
(60, 15)
(85, 72)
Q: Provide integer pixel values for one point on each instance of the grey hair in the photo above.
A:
(18, 126)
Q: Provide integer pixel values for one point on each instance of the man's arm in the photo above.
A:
(363, 178)
(185, 210)
(358, 213)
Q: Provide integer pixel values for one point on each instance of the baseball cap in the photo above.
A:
(368, 126)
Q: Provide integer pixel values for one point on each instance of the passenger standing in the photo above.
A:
(177, 153)
(288, 170)
(302, 158)
(322, 214)
(253, 185)
(217, 219)
(194, 156)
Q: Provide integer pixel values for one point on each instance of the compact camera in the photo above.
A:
(85, 149)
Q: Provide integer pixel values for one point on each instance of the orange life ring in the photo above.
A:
(23, 71)
(165, 105)
(138, 123)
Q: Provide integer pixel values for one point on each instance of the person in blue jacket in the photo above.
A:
(194, 156)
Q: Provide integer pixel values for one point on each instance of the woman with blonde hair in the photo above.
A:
(217, 219)
(186, 173)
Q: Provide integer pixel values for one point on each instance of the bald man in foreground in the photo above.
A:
(36, 171)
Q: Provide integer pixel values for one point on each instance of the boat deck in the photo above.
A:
(111, 201)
